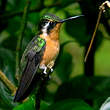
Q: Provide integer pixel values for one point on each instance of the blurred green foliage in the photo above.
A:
(68, 87)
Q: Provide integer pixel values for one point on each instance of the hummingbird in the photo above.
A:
(41, 52)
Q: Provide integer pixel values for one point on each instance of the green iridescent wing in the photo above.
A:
(30, 46)
(29, 65)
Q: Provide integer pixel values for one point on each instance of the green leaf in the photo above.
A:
(28, 105)
(72, 28)
(6, 100)
(62, 63)
(78, 87)
(7, 63)
(70, 104)
(44, 105)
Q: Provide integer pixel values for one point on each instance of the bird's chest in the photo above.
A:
(51, 51)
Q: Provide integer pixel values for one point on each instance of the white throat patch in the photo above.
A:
(44, 30)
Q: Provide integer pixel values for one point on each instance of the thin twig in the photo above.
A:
(93, 36)
(7, 82)
(102, 9)
(22, 30)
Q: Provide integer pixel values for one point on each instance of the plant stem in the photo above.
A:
(93, 36)
(102, 9)
(22, 30)
(7, 82)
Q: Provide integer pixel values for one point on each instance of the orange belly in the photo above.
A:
(51, 51)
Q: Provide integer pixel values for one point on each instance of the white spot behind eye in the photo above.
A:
(44, 30)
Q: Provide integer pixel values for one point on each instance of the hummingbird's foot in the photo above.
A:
(50, 65)
(43, 67)
(51, 69)
(45, 71)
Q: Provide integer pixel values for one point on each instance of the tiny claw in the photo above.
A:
(51, 69)
(45, 71)
(44, 68)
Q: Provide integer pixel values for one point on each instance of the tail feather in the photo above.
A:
(26, 80)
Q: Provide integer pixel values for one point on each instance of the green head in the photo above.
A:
(49, 21)
(51, 17)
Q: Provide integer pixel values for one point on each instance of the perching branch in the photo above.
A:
(7, 82)
(22, 30)
(41, 89)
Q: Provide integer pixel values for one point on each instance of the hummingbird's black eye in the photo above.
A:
(46, 25)
(51, 26)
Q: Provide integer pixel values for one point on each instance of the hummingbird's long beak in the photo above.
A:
(71, 18)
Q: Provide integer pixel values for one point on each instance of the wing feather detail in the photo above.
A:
(32, 61)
